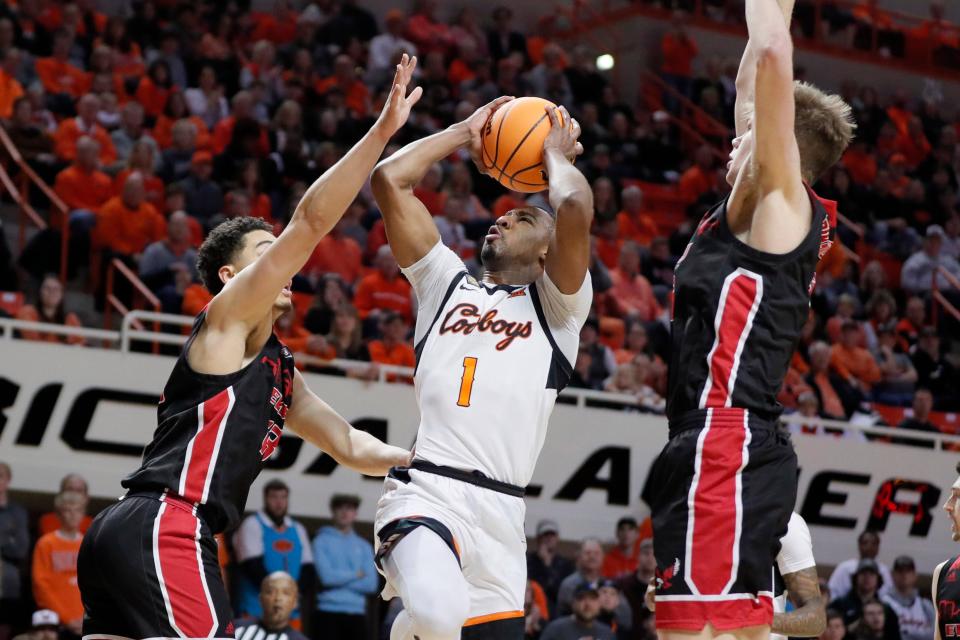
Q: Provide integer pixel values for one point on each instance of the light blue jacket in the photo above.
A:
(339, 558)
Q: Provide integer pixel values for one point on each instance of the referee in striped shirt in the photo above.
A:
(278, 598)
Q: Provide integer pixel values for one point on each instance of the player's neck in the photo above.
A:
(521, 276)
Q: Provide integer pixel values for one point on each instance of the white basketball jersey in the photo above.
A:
(490, 363)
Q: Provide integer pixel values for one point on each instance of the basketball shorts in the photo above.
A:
(483, 528)
(720, 494)
(148, 569)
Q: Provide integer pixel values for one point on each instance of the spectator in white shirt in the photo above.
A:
(918, 270)
(868, 545)
(384, 47)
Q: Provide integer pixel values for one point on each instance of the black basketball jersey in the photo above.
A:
(214, 432)
(948, 598)
(737, 316)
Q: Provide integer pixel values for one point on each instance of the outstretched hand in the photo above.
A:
(563, 134)
(475, 124)
(396, 109)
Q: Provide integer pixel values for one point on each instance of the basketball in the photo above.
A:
(513, 144)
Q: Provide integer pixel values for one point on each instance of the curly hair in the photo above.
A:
(221, 247)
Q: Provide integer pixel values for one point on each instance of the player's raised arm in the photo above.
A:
(409, 226)
(250, 294)
(747, 75)
(316, 422)
(572, 199)
(776, 156)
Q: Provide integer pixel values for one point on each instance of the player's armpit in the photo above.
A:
(809, 619)
(316, 422)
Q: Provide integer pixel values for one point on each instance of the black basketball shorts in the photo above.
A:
(720, 493)
(148, 569)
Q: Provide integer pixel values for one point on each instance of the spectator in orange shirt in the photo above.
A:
(55, 563)
(50, 521)
(425, 31)
(336, 253)
(623, 558)
(279, 27)
(631, 292)
(632, 223)
(393, 348)
(82, 186)
(154, 88)
(428, 191)
(142, 160)
(127, 223)
(241, 108)
(701, 178)
(85, 124)
(195, 298)
(860, 163)
(913, 143)
(608, 241)
(250, 184)
(678, 50)
(853, 363)
(174, 111)
(344, 78)
(383, 290)
(63, 81)
(49, 309)
(10, 88)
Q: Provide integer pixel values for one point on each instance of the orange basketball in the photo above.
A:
(513, 144)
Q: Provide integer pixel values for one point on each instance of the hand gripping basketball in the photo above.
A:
(563, 135)
(476, 124)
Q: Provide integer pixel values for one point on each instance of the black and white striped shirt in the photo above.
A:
(253, 631)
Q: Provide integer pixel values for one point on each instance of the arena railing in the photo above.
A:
(113, 303)
(940, 301)
(27, 178)
(25, 212)
(129, 333)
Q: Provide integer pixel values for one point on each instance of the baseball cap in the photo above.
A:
(935, 230)
(547, 526)
(201, 157)
(868, 564)
(608, 583)
(585, 588)
(627, 521)
(904, 563)
(45, 618)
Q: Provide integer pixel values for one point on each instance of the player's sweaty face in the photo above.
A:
(255, 245)
(518, 236)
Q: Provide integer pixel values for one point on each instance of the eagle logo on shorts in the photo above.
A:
(664, 577)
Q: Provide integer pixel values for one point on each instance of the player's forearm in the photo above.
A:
(329, 196)
(767, 22)
(747, 74)
(567, 185)
(806, 622)
(368, 455)
(405, 168)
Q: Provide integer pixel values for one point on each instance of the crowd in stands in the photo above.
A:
(283, 581)
(156, 124)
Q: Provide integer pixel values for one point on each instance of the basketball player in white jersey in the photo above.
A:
(492, 356)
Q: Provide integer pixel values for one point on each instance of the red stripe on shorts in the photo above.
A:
(177, 545)
(715, 517)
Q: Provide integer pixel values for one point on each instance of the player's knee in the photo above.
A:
(440, 617)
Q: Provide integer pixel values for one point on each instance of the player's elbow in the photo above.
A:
(818, 623)
(776, 50)
(577, 202)
(386, 175)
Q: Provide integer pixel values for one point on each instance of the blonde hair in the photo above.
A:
(823, 127)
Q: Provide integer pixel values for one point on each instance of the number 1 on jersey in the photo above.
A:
(466, 382)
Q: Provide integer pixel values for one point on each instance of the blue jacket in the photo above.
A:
(339, 557)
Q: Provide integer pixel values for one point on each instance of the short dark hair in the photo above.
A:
(833, 614)
(275, 485)
(221, 247)
(343, 500)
